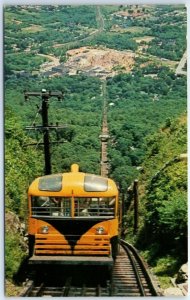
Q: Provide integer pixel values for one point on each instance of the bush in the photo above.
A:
(14, 254)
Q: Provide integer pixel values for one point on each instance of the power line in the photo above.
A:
(45, 128)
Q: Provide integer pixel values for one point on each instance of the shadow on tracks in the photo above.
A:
(58, 275)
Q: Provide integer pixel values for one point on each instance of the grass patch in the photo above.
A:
(9, 17)
(33, 29)
(12, 290)
(136, 29)
(166, 267)
(14, 254)
(164, 281)
(146, 39)
(163, 267)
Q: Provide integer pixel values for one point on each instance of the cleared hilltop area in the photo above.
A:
(109, 41)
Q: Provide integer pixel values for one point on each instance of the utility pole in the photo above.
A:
(45, 95)
(135, 193)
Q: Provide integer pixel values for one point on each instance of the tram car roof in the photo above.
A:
(73, 183)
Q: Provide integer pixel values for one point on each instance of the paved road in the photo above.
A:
(179, 69)
(48, 66)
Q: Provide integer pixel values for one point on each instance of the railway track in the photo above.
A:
(104, 137)
(129, 277)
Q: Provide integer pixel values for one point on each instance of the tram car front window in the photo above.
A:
(83, 207)
(51, 206)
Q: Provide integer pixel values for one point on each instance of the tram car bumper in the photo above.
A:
(71, 260)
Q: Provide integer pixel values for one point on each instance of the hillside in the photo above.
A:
(127, 54)
(163, 199)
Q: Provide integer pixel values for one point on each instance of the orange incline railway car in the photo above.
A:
(73, 218)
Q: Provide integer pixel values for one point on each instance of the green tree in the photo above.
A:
(166, 191)
(22, 164)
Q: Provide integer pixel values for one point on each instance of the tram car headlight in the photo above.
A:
(44, 229)
(100, 230)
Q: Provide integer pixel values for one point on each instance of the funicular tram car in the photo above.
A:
(73, 217)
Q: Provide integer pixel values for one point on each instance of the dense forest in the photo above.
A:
(162, 234)
(146, 114)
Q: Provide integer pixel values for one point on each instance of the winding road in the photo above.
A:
(180, 67)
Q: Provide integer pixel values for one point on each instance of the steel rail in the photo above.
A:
(67, 287)
(128, 247)
(27, 289)
(133, 262)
